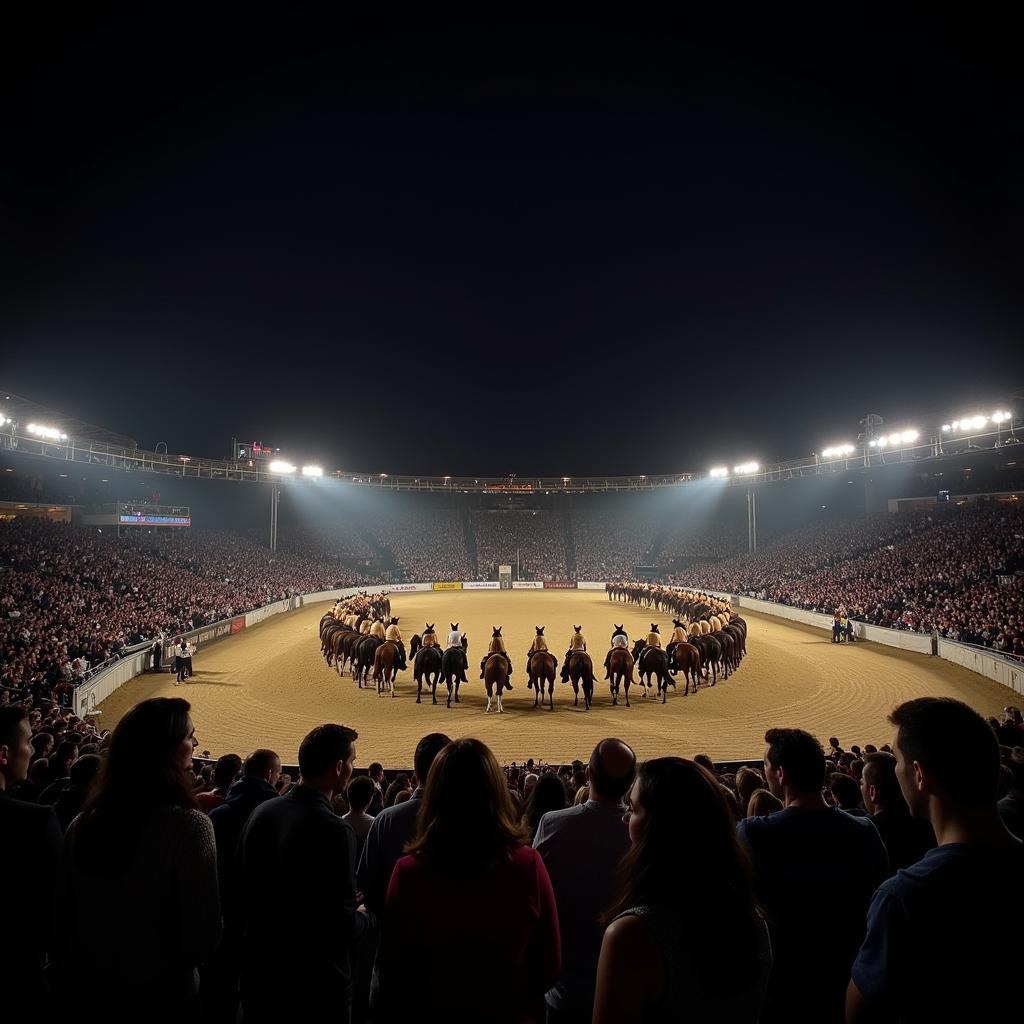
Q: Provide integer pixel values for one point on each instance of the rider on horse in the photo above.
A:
(394, 634)
(577, 642)
(377, 629)
(497, 646)
(619, 639)
(679, 636)
(455, 636)
(540, 643)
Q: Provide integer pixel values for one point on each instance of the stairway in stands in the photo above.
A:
(570, 544)
(469, 539)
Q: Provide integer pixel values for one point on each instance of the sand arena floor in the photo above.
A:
(267, 686)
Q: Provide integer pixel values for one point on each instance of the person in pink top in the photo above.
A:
(470, 929)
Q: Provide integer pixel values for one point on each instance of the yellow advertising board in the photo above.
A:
(447, 586)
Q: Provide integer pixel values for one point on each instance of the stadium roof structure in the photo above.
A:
(29, 428)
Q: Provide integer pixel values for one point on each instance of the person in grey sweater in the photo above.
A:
(143, 852)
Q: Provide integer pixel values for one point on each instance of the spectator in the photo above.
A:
(60, 771)
(907, 839)
(763, 802)
(661, 958)
(1011, 807)
(28, 864)
(846, 794)
(943, 938)
(469, 882)
(360, 792)
(81, 780)
(400, 783)
(748, 782)
(297, 861)
(809, 857)
(548, 795)
(225, 771)
(376, 773)
(260, 774)
(591, 833)
(145, 853)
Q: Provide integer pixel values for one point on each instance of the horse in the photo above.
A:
(652, 661)
(427, 662)
(497, 667)
(685, 658)
(385, 666)
(362, 658)
(710, 653)
(542, 668)
(581, 673)
(454, 665)
(620, 670)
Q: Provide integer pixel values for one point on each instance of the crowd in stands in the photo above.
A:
(339, 542)
(536, 536)
(824, 884)
(610, 545)
(948, 570)
(701, 539)
(427, 544)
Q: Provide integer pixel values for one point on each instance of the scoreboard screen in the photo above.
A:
(256, 450)
(144, 519)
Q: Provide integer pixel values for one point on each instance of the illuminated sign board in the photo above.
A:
(141, 519)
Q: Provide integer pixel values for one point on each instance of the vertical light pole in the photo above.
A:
(275, 497)
(751, 520)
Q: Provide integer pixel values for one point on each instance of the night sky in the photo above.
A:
(490, 247)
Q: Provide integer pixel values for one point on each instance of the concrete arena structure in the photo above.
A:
(269, 685)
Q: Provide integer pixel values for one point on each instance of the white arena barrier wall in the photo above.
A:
(985, 662)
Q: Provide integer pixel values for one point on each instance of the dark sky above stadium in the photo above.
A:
(593, 246)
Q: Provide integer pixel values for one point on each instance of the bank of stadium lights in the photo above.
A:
(747, 468)
(838, 451)
(895, 440)
(719, 472)
(313, 471)
(281, 467)
(50, 433)
(972, 424)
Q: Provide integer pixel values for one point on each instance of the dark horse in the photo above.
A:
(427, 663)
(652, 661)
(454, 665)
(362, 658)
(581, 673)
(620, 670)
(542, 668)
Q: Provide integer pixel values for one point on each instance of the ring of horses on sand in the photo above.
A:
(269, 685)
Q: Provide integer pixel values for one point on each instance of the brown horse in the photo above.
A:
(385, 667)
(685, 658)
(620, 670)
(497, 668)
(542, 668)
(581, 673)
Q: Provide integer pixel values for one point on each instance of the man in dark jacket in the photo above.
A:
(297, 885)
(28, 864)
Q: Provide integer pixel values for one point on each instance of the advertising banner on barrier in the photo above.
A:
(527, 585)
(408, 588)
(589, 585)
(446, 586)
(559, 584)
(481, 585)
(238, 624)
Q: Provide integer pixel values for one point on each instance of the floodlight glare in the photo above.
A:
(946, 428)
(719, 471)
(282, 467)
(838, 451)
(50, 433)
(746, 468)
(910, 436)
(312, 471)
(1000, 417)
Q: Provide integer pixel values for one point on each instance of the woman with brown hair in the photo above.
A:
(472, 892)
(686, 895)
(143, 852)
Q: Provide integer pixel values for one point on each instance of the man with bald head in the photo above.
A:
(581, 847)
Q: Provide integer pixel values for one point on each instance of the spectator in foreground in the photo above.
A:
(297, 860)
(762, 802)
(225, 771)
(810, 858)
(548, 795)
(907, 839)
(943, 938)
(846, 794)
(28, 863)
(1011, 807)
(591, 833)
(685, 895)
(469, 883)
(360, 793)
(145, 853)
(71, 800)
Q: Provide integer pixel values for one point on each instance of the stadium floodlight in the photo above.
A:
(312, 471)
(946, 427)
(1000, 417)
(281, 467)
(50, 433)
(838, 451)
(747, 468)
(4, 420)
(720, 471)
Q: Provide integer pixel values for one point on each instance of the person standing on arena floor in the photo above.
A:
(297, 860)
(471, 884)
(685, 940)
(943, 936)
(394, 827)
(591, 833)
(29, 854)
(907, 839)
(810, 858)
(143, 851)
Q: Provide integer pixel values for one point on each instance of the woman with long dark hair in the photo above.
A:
(137, 900)
(684, 939)
(471, 892)
(548, 795)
